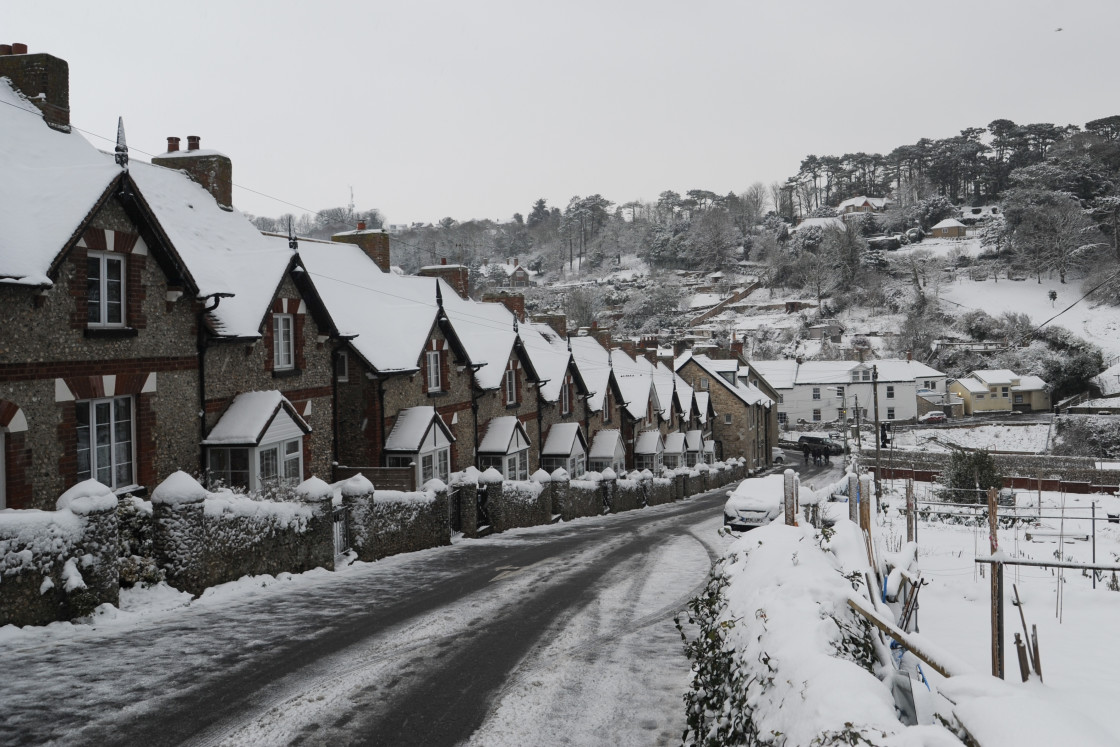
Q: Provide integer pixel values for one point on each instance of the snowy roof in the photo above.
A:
(360, 298)
(674, 443)
(412, 427)
(635, 382)
(781, 374)
(825, 223)
(703, 399)
(606, 444)
(248, 417)
(995, 376)
(222, 250)
(663, 380)
(893, 369)
(562, 440)
(649, 442)
(972, 385)
(875, 202)
(704, 300)
(1108, 380)
(51, 182)
(593, 362)
(1029, 384)
(948, 223)
(504, 435)
(748, 393)
(549, 354)
(694, 440)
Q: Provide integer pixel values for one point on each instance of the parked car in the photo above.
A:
(777, 456)
(834, 447)
(933, 417)
(754, 503)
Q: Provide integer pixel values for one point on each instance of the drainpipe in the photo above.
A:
(202, 342)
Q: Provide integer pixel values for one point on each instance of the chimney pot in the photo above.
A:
(443, 260)
(18, 48)
(193, 142)
(515, 261)
(172, 145)
(5, 49)
(361, 225)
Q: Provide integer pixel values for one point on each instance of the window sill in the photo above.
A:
(285, 373)
(512, 405)
(437, 393)
(134, 490)
(110, 333)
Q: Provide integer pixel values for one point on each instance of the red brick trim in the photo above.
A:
(94, 239)
(17, 469)
(31, 371)
(8, 411)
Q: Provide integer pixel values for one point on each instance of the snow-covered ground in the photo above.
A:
(1030, 438)
(1099, 325)
(969, 246)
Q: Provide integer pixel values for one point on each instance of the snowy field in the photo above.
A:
(1099, 325)
(969, 246)
(1028, 439)
(1077, 641)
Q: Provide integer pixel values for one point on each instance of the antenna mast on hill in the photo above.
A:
(350, 207)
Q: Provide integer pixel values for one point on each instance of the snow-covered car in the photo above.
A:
(754, 503)
(932, 417)
(777, 456)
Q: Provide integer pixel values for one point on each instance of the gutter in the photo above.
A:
(202, 342)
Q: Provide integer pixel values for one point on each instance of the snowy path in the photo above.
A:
(551, 635)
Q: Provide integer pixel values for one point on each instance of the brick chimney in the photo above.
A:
(43, 78)
(558, 322)
(515, 302)
(373, 241)
(209, 168)
(457, 276)
(602, 336)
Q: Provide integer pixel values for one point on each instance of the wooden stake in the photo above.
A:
(899, 635)
(911, 517)
(1023, 619)
(997, 587)
(1034, 649)
(1021, 648)
(853, 497)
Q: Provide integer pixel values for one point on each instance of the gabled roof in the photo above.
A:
(782, 374)
(594, 365)
(248, 417)
(649, 442)
(1030, 384)
(606, 445)
(876, 202)
(675, 443)
(995, 376)
(703, 405)
(635, 382)
(948, 223)
(412, 427)
(748, 393)
(694, 440)
(562, 440)
(51, 183)
(550, 356)
(503, 435)
(972, 385)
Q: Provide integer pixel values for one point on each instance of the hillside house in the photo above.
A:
(949, 228)
(863, 204)
(1001, 390)
(826, 391)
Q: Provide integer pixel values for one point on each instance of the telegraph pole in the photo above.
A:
(878, 434)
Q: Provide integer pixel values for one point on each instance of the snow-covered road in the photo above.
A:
(550, 635)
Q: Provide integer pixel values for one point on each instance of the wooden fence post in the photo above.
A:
(853, 497)
(997, 586)
(790, 497)
(911, 517)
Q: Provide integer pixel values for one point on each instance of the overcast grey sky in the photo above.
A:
(475, 109)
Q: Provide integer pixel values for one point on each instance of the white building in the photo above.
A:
(826, 391)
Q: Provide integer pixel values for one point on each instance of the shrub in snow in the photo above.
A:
(314, 490)
(490, 476)
(967, 471)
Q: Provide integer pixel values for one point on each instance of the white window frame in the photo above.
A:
(98, 311)
(1004, 391)
(867, 374)
(840, 392)
(433, 361)
(511, 386)
(565, 398)
(890, 391)
(703, 382)
(890, 413)
(283, 348)
(782, 417)
(226, 475)
(816, 416)
(289, 459)
(816, 392)
(119, 451)
(727, 418)
(342, 368)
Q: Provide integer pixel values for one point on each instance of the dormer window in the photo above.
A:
(432, 359)
(511, 385)
(105, 278)
(565, 397)
(283, 342)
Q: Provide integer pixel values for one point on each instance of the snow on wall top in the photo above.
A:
(51, 182)
(247, 417)
(594, 365)
(222, 250)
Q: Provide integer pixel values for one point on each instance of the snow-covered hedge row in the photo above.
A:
(779, 658)
(519, 504)
(387, 522)
(201, 539)
(56, 565)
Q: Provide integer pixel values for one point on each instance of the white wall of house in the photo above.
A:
(898, 400)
